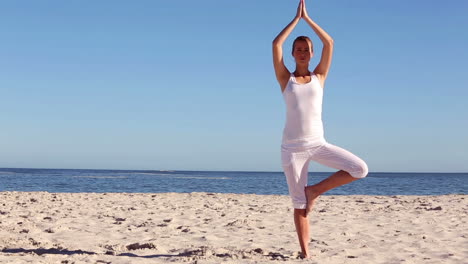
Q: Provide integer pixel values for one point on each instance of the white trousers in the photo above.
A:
(295, 161)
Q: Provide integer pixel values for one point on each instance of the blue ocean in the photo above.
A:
(150, 181)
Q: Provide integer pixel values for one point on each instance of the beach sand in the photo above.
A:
(41, 227)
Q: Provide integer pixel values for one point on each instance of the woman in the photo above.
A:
(303, 137)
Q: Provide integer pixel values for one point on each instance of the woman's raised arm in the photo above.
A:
(282, 73)
(327, 53)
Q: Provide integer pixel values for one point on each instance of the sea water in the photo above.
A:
(151, 181)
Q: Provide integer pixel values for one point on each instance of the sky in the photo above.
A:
(190, 85)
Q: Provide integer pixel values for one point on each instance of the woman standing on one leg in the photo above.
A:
(303, 137)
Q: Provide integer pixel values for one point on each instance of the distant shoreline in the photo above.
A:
(242, 171)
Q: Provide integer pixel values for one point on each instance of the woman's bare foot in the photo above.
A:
(303, 255)
(311, 193)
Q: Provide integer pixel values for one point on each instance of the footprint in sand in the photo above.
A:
(136, 246)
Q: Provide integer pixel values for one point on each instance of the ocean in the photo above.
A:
(241, 182)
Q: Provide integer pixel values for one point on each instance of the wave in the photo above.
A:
(175, 176)
(149, 173)
(101, 177)
(182, 176)
(194, 177)
(7, 172)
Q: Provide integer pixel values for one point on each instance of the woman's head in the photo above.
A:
(303, 49)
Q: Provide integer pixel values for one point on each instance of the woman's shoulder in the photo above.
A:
(320, 78)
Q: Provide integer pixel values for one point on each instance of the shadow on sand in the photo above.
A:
(41, 251)
(60, 251)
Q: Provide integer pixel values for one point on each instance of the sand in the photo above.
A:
(41, 227)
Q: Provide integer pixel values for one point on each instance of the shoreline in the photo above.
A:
(202, 227)
(222, 193)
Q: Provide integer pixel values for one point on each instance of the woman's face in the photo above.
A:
(302, 52)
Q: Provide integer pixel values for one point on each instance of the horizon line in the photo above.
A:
(182, 170)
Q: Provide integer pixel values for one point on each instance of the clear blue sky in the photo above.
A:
(189, 85)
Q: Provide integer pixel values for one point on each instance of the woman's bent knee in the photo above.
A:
(360, 171)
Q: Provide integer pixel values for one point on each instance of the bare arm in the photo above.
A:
(282, 73)
(327, 52)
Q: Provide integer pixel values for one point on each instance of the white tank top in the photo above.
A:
(303, 113)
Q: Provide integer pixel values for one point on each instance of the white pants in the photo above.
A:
(295, 161)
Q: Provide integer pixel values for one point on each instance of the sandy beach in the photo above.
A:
(41, 227)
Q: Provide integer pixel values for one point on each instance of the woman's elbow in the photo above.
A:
(275, 42)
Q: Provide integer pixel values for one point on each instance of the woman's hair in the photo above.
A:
(303, 38)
